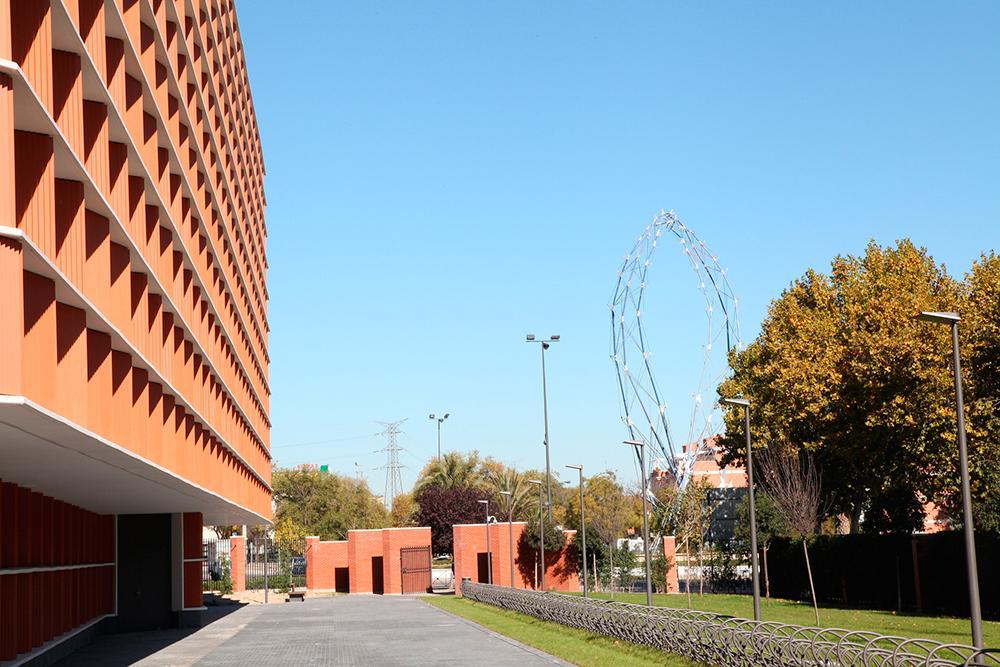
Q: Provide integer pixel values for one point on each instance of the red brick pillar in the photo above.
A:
(238, 562)
(670, 551)
(312, 561)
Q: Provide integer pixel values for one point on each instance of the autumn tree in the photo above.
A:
(842, 369)
(404, 511)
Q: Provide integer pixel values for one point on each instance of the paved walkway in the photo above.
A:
(343, 630)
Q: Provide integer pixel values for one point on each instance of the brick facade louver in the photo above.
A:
(133, 298)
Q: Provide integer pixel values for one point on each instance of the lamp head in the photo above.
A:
(634, 443)
(575, 466)
(530, 338)
(735, 401)
(939, 318)
(431, 416)
(534, 481)
(446, 415)
(505, 493)
(554, 337)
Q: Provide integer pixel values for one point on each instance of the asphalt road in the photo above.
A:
(342, 630)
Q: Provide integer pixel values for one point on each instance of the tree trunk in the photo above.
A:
(812, 587)
(856, 516)
(611, 561)
(767, 579)
(687, 582)
(701, 567)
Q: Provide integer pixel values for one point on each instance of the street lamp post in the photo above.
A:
(755, 578)
(439, 420)
(510, 532)
(489, 553)
(583, 527)
(541, 529)
(975, 613)
(545, 413)
(641, 446)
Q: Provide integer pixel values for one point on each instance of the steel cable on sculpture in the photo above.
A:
(644, 409)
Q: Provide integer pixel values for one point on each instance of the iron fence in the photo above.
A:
(268, 564)
(724, 640)
(216, 568)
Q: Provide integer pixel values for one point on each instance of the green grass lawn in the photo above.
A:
(941, 628)
(570, 644)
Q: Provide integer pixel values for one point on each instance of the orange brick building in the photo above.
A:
(368, 561)
(471, 558)
(134, 393)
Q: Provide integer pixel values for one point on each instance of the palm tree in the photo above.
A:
(452, 470)
(522, 499)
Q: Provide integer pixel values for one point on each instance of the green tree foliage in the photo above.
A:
(310, 502)
(625, 563)
(842, 369)
(659, 568)
(554, 538)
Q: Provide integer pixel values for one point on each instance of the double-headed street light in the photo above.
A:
(541, 529)
(755, 578)
(489, 554)
(583, 527)
(439, 420)
(510, 532)
(545, 412)
(641, 446)
(952, 320)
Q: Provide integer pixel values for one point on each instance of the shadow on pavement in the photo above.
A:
(127, 648)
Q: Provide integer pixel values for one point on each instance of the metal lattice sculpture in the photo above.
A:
(644, 410)
(717, 639)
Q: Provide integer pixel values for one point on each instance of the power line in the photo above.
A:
(325, 442)
(392, 467)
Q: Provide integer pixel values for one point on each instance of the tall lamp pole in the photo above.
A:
(975, 613)
(545, 412)
(641, 446)
(755, 578)
(541, 529)
(583, 527)
(510, 532)
(439, 420)
(489, 553)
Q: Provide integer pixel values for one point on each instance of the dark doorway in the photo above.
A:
(415, 566)
(483, 568)
(342, 579)
(144, 586)
(378, 582)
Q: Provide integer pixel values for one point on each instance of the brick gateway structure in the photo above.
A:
(368, 561)
(470, 557)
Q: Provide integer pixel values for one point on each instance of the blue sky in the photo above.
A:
(443, 178)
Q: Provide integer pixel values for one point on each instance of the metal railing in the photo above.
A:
(724, 640)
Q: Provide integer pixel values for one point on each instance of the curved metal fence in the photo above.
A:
(724, 640)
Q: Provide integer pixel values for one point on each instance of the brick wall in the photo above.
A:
(238, 562)
(470, 540)
(362, 546)
(322, 560)
(670, 551)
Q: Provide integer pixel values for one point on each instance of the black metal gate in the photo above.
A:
(416, 569)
